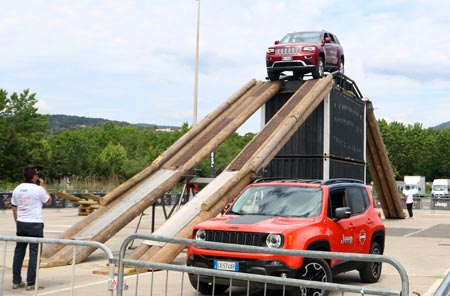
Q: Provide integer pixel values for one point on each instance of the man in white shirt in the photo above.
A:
(409, 200)
(27, 201)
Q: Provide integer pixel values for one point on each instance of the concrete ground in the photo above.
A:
(421, 245)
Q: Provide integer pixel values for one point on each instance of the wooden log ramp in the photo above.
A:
(240, 172)
(134, 196)
(381, 169)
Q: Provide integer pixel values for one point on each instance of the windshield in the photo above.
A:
(286, 201)
(412, 186)
(439, 187)
(302, 37)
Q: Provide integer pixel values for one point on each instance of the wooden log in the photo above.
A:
(378, 175)
(385, 164)
(283, 132)
(377, 184)
(169, 252)
(216, 132)
(91, 197)
(50, 250)
(175, 148)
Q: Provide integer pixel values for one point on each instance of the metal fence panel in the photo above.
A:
(40, 241)
(284, 282)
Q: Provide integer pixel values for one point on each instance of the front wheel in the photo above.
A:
(298, 75)
(319, 70)
(273, 76)
(315, 270)
(371, 271)
(206, 288)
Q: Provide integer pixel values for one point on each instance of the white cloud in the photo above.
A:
(134, 61)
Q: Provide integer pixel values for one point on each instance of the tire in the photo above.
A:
(319, 70)
(273, 76)
(298, 75)
(315, 270)
(206, 288)
(371, 271)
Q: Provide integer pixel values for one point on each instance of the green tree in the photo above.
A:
(23, 130)
(112, 159)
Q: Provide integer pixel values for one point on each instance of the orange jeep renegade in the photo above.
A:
(336, 215)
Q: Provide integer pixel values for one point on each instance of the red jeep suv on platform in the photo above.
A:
(305, 52)
(336, 215)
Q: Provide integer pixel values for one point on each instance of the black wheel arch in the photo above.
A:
(320, 245)
(379, 237)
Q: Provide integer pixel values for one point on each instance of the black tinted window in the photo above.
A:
(357, 199)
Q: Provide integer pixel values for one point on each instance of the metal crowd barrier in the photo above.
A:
(40, 241)
(444, 287)
(284, 282)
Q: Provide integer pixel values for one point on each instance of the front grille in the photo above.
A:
(288, 64)
(287, 50)
(237, 238)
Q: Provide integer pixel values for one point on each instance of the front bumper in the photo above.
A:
(261, 267)
(296, 65)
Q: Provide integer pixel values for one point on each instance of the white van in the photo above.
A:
(440, 188)
(416, 184)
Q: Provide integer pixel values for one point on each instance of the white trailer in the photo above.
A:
(416, 184)
(440, 188)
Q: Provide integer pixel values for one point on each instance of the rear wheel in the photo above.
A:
(319, 69)
(315, 270)
(273, 76)
(206, 288)
(371, 271)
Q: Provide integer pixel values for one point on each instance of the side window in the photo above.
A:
(336, 200)
(357, 199)
(330, 36)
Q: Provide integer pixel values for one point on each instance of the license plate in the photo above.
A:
(226, 265)
(286, 58)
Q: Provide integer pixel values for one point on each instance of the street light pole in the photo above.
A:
(194, 121)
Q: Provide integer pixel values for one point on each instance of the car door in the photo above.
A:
(358, 201)
(331, 51)
(343, 239)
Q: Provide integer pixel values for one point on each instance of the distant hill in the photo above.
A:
(59, 122)
(442, 125)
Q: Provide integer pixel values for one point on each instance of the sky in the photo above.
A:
(134, 60)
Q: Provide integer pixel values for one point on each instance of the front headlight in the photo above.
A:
(200, 235)
(274, 240)
(309, 48)
(270, 50)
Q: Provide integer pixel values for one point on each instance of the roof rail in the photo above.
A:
(341, 180)
(286, 179)
(318, 181)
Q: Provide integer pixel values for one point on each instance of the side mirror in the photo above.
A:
(342, 213)
(328, 39)
(277, 42)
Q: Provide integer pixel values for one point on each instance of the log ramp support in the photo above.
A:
(134, 196)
